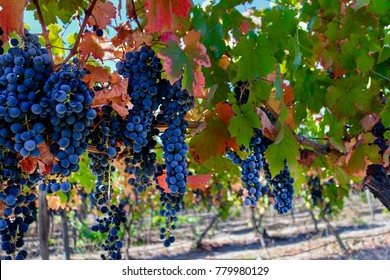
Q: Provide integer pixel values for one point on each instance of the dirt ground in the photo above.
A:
(289, 237)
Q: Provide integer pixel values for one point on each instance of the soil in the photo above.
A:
(366, 236)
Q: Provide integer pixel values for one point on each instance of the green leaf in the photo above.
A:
(256, 54)
(348, 96)
(384, 54)
(260, 90)
(297, 51)
(278, 84)
(242, 125)
(364, 61)
(285, 147)
(220, 164)
(56, 40)
(385, 115)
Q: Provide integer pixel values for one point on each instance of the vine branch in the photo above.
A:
(135, 17)
(88, 13)
(45, 33)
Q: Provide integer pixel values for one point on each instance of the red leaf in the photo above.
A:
(11, 15)
(223, 111)
(160, 16)
(307, 157)
(98, 74)
(198, 182)
(117, 92)
(162, 183)
(216, 137)
(103, 13)
(245, 27)
(99, 48)
(46, 160)
(29, 164)
(369, 121)
(123, 111)
(186, 64)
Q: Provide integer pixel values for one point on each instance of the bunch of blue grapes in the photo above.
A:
(23, 71)
(251, 167)
(67, 105)
(177, 102)
(143, 69)
(115, 216)
(283, 191)
(315, 190)
(379, 132)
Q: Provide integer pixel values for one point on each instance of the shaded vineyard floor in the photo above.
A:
(290, 237)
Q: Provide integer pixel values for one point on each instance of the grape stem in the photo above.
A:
(45, 33)
(88, 13)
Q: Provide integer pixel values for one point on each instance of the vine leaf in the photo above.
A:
(11, 15)
(161, 15)
(46, 160)
(198, 182)
(99, 48)
(256, 54)
(369, 121)
(242, 124)
(186, 63)
(361, 155)
(285, 147)
(115, 95)
(215, 138)
(103, 13)
(98, 74)
(29, 164)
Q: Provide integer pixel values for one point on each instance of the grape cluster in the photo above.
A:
(283, 191)
(23, 71)
(315, 190)
(67, 104)
(116, 215)
(379, 132)
(251, 167)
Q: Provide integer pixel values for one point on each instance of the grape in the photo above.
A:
(115, 217)
(99, 32)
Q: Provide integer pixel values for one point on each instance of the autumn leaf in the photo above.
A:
(46, 159)
(11, 15)
(98, 74)
(98, 47)
(29, 164)
(195, 182)
(369, 121)
(215, 138)
(198, 182)
(186, 63)
(103, 12)
(161, 14)
(266, 125)
(307, 157)
(116, 96)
